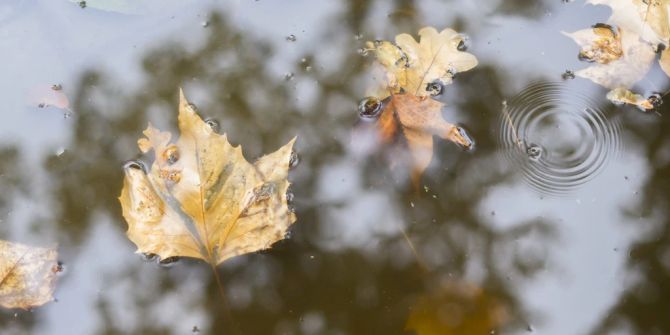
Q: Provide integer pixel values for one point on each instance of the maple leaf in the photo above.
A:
(27, 275)
(456, 308)
(201, 197)
(621, 58)
(647, 18)
(412, 66)
(415, 71)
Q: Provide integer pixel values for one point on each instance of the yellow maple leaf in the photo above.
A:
(202, 198)
(27, 275)
(411, 66)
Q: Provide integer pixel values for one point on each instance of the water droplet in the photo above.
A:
(291, 38)
(148, 257)
(288, 76)
(656, 100)
(370, 108)
(464, 140)
(294, 160)
(534, 152)
(214, 124)
(59, 268)
(57, 87)
(168, 262)
(135, 164)
(205, 24)
(568, 74)
(171, 154)
(289, 195)
(464, 43)
(435, 88)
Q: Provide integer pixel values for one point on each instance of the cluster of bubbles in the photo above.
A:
(559, 137)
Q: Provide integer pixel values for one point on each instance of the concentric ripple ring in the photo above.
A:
(558, 137)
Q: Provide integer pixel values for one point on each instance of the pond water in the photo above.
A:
(569, 234)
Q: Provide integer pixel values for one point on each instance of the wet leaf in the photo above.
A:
(417, 119)
(27, 275)
(48, 96)
(456, 309)
(646, 18)
(201, 198)
(410, 65)
(624, 96)
(620, 59)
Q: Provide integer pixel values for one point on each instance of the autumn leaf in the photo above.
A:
(412, 66)
(646, 18)
(456, 308)
(27, 275)
(202, 198)
(620, 57)
(415, 71)
(417, 119)
(624, 96)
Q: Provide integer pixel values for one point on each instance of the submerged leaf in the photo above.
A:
(417, 119)
(612, 69)
(456, 309)
(201, 198)
(27, 275)
(624, 96)
(411, 65)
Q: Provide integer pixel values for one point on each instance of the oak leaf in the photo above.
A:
(621, 59)
(412, 66)
(202, 198)
(415, 71)
(27, 275)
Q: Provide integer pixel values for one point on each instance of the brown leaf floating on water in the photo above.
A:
(27, 275)
(624, 96)
(201, 197)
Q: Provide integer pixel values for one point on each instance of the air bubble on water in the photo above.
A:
(568, 74)
(294, 160)
(60, 151)
(148, 257)
(135, 164)
(213, 123)
(67, 114)
(369, 108)
(289, 195)
(288, 76)
(56, 87)
(168, 262)
(171, 154)
(291, 38)
(435, 88)
(59, 268)
(205, 24)
(534, 151)
(656, 100)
